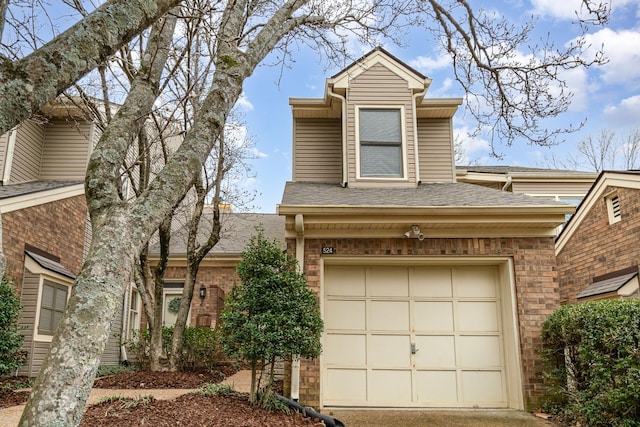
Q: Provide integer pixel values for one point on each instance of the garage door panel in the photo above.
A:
(345, 349)
(389, 351)
(433, 316)
(346, 385)
(343, 280)
(451, 314)
(474, 282)
(436, 387)
(387, 282)
(431, 282)
(435, 352)
(479, 351)
(483, 387)
(389, 315)
(473, 316)
(345, 315)
(389, 386)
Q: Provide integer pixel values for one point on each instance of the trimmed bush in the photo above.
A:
(201, 348)
(10, 339)
(592, 356)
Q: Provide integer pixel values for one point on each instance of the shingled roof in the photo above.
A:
(424, 195)
(22, 189)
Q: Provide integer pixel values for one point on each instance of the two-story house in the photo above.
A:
(433, 291)
(44, 220)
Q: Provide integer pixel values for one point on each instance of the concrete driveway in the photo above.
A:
(437, 418)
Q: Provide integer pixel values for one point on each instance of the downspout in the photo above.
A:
(416, 154)
(507, 184)
(125, 326)
(344, 131)
(295, 362)
(8, 159)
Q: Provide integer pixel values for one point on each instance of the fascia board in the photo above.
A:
(341, 81)
(39, 198)
(424, 211)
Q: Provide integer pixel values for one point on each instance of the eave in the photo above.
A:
(392, 222)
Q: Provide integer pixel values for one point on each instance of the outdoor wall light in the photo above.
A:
(414, 231)
(203, 291)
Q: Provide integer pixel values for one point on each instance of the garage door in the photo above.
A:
(422, 336)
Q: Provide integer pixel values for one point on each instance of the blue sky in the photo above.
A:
(608, 96)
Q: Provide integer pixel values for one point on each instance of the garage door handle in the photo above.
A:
(414, 350)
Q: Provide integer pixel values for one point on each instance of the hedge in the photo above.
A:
(592, 357)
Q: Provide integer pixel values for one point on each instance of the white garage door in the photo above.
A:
(422, 336)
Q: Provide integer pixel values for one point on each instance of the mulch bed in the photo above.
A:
(232, 410)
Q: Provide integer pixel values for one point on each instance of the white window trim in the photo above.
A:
(405, 172)
(175, 291)
(44, 274)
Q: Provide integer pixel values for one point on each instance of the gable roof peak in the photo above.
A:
(379, 55)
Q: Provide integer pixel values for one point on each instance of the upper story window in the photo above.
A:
(381, 148)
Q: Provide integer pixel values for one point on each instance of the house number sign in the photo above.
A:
(327, 250)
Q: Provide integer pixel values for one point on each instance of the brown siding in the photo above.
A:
(434, 146)
(317, 153)
(597, 247)
(27, 153)
(66, 150)
(381, 87)
(29, 300)
(535, 280)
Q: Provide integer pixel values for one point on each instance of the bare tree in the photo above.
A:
(598, 151)
(517, 93)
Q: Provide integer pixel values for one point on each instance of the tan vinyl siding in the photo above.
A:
(4, 141)
(111, 353)
(40, 351)
(318, 150)
(27, 154)
(66, 150)
(29, 301)
(434, 146)
(552, 188)
(378, 86)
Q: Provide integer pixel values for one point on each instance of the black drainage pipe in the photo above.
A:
(310, 413)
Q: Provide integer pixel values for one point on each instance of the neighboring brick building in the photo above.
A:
(433, 291)
(597, 252)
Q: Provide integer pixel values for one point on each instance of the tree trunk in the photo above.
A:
(177, 340)
(61, 390)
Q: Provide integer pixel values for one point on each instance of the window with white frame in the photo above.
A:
(134, 313)
(52, 305)
(380, 133)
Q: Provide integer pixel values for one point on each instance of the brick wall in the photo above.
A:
(218, 280)
(597, 247)
(537, 293)
(57, 227)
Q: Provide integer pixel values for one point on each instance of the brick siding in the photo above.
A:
(56, 227)
(597, 247)
(535, 278)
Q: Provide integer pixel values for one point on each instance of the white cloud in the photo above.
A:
(621, 48)
(577, 81)
(244, 103)
(567, 9)
(474, 150)
(257, 154)
(624, 114)
(428, 65)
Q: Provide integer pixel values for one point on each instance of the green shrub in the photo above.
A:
(592, 359)
(10, 338)
(201, 347)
